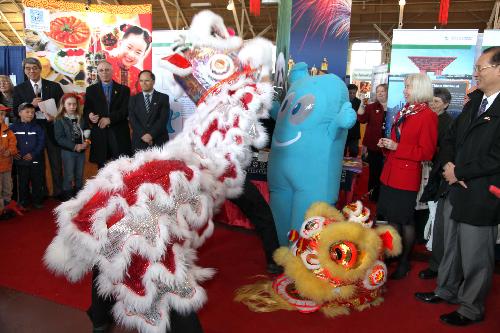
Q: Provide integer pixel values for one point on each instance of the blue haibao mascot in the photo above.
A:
(307, 148)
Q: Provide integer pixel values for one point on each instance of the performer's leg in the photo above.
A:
(100, 308)
(256, 209)
(188, 323)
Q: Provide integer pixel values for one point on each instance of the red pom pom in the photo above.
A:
(231, 32)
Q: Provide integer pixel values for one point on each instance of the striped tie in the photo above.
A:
(148, 103)
(482, 107)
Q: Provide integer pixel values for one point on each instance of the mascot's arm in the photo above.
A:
(426, 147)
(345, 119)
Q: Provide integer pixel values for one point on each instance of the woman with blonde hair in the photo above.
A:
(373, 115)
(6, 93)
(68, 131)
(413, 139)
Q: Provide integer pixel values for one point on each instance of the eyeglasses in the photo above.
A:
(479, 69)
(31, 69)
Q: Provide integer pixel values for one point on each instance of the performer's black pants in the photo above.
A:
(375, 164)
(100, 312)
(257, 210)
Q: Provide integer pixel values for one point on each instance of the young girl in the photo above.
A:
(68, 130)
(130, 50)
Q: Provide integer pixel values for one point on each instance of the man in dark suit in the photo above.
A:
(106, 109)
(148, 113)
(354, 134)
(471, 160)
(34, 91)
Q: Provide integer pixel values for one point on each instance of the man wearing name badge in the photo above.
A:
(471, 163)
(106, 110)
(149, 112)
(34, 91)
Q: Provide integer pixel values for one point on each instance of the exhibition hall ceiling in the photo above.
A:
(371, 19)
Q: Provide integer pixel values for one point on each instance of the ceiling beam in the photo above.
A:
(236, 21)
(165, 12)
(382, 33)
(263, 32)
(176, 5)
(19, 7)
(7, 40)
(494, 21)
(11, 27)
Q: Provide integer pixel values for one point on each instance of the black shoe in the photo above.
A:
(401, 271)
(274, 268)
(429, 297)
(456, 319)
(7, 215)
(101, 329)
(427, 274)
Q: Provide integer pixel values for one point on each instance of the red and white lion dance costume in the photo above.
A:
(141, 219)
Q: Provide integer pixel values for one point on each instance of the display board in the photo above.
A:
(380, 75)
(320, 35)
(71, 38)
(446, 55)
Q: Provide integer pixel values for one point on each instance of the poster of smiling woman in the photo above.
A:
(70, 39)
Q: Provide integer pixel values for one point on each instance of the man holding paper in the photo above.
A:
(34, 91)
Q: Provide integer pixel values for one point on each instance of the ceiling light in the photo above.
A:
(201, 4)
(230, 5)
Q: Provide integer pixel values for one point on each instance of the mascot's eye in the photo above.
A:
(302, 109)
(286, 103)
(296, 108)
(344, 253)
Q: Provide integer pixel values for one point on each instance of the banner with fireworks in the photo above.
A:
(71, 38)
(445, 55)
(320, 35)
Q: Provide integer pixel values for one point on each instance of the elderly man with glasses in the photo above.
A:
(471, 163)
(33, 91)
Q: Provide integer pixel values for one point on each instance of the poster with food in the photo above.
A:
(70, 39)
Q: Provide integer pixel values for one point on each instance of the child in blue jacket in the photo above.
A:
(30, 143)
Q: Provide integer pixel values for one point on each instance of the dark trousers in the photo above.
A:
(100, 312)
(375, 163)
(437, 237)
(465, 274)
(55, 161)
(257, 210)
(352, 146)
(30, 174)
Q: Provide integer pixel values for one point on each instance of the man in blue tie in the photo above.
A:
(106, 111)
(471, 163)
(149, 112)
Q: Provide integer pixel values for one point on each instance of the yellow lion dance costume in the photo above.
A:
(335, 264)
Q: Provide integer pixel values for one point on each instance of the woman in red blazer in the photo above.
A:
(373, 115)
(413, 139)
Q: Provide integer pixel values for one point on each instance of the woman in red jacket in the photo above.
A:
(373, 115)
(413, 139)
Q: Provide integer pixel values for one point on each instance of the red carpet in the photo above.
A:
(238, 258)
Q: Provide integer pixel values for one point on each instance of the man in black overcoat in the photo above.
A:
(106, 110)
(471, 160)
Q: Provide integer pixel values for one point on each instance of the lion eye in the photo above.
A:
(344, 253)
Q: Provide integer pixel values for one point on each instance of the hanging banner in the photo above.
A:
(446, 56)
(70, 39)
(320, 35)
